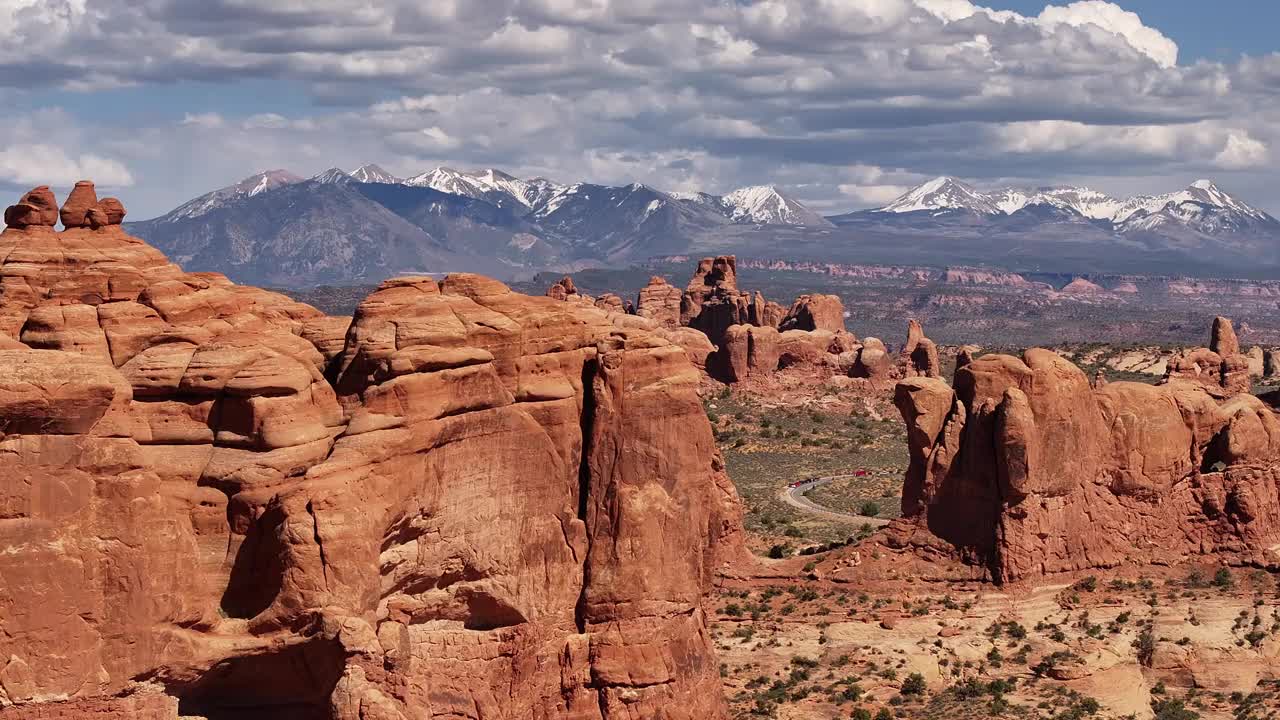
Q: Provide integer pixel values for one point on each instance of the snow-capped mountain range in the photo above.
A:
(247, 188)
(945, 194)
(758, 204)
(341, 227)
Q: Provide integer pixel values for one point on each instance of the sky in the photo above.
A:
(844, 104)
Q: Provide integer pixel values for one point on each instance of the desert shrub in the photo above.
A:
(1223, 580)
(913, 685)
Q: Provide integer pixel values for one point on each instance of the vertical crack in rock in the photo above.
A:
(315, 534)
(587, 424)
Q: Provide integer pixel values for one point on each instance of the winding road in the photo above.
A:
(797, 498)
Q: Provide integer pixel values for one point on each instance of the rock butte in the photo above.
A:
(1024, 469)
(463, 502)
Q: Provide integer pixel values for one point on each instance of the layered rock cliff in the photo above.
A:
(461, 503)
(1026, 469)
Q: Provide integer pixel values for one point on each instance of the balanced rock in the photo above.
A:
(108, 211)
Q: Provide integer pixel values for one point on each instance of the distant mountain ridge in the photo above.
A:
(342, 227)
(946, 193)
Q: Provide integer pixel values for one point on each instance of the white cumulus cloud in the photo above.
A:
(1115, 19)
(1241, 151)
(38, 164)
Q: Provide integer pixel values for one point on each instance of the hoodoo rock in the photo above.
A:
(1221, 368)
(919, 356)
(660, 301)
(75, 211)
(1026, 469)
(464, 502)
(1222, 338)
(766, 313)
(37, 208)
(712, 302)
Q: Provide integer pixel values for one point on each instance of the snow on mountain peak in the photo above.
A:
(370, 173)
(943, 193)
(332, 176)
(766, 205)
(488, 184)
(1200, 192)
(248, 187)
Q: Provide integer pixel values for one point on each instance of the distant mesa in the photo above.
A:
(1082, 286)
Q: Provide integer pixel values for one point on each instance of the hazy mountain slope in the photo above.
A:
(465, 225)
(300, 234)
(623, 223)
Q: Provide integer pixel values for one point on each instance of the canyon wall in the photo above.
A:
(461, 503)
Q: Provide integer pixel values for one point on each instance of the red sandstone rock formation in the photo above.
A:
(660, 302)
(1220, 368)
(108, 211)
(712, 302)
(37, 208)
(468, 503)
(874, 362)
(76, 209)
(766, 313)
(562, 289)
(919, 356)
(749, 350)
(815, 312)
(1027, 470)
(610, 302)
(1081, 286)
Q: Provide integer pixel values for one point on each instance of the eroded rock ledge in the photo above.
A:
(463, 502)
